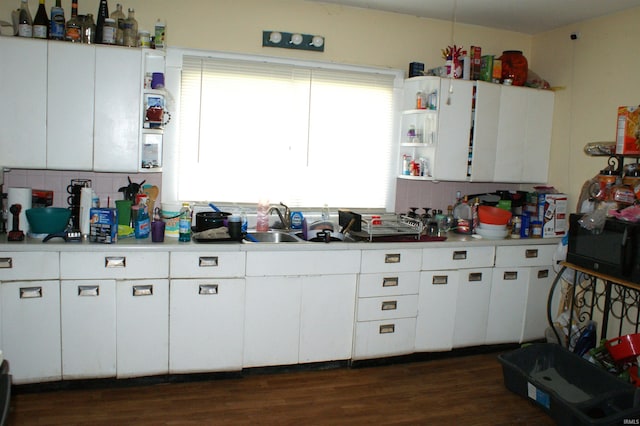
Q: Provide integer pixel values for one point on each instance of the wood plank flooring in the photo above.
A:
(462, 390)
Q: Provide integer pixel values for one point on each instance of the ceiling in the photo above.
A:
(525, 16)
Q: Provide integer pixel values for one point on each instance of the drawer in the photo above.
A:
(372, 285)
(378, 308)
(457, 257)
(384, 338)
(526, 255)
(207, 264)
(114, 265)
(390, 260)
(280, 263)
(29, 266)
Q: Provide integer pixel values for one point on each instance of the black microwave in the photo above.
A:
(614, 251)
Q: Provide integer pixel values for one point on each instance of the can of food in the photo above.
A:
(536, 229)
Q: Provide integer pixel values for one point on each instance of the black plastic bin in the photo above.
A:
(570, 389)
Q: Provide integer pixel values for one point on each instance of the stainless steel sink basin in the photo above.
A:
(274, 237)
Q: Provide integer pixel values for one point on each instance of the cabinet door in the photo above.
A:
(23, 110)
(142, 325)
(31, 330)
(537, 141)
(507, 305)
(472, 307)
(327, 317)
(436, 310)
(70, 95)
(535, 317)
(485, 131)
(88, 318)
(117, 109)
(454, 127)
(206, 325)
(272, 321)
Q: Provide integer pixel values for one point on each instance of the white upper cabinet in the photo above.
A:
(23, 110)
(70, 88)
(117, 106)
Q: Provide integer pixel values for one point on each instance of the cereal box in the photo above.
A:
(552, 211)
(628, 130)
(486, 67)
(476, 62)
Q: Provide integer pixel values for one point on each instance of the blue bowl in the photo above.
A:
(48, 220)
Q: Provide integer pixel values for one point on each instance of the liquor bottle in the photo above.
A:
(103, 13)
(25, 23)
(119, 17)
(73, 28)
(56, 25)
(41, 22)
(130, 36)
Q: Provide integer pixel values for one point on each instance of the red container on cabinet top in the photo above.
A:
(514, 67)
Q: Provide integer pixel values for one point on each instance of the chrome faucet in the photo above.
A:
(285, 219)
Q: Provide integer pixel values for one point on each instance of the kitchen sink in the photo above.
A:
(273, 237)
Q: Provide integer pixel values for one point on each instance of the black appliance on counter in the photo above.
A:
(615, 251)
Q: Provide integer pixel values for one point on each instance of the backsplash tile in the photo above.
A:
(106, 185)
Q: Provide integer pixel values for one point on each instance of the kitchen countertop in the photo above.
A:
(172, 244)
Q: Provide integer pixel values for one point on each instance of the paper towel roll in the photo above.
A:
(86, 197)
(20, 196)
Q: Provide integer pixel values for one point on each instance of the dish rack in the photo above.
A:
(388, 225)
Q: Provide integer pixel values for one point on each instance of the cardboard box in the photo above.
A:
(497, 71)
(552, 212)
(103, 225)
(476, 62)
(628, 130)
(486, 68)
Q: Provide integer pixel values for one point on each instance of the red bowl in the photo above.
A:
(493, 215)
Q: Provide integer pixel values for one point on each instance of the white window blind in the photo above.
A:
(302, 135)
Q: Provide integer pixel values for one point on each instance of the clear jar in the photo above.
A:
(144, 38)
(536, 229)
(109, 31)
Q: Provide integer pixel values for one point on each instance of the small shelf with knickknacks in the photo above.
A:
(154, 113)
(418, 128)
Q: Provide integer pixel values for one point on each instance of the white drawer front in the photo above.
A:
(372, 285)
(384, 338)
(303, 263)
(206, 264)
(457, 257)
(114, 265)
(378, 308)
(29, 266)
(390, 260)
(529, 255)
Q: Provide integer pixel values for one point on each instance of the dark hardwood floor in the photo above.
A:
(461, 390)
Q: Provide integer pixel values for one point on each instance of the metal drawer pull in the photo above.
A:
(115, 262)
(390, 305)
(475, 276)
(208, 289)
(387, 328)
(510, 275)
(205, 261)
(143, 290)
(392, 258)
(543, 273)
(30, 292)
(6, 262)
(390, 282)
(459, 255)
(89, 290)
(440, 279)
(531, 253)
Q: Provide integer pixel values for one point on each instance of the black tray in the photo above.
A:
(570, 389)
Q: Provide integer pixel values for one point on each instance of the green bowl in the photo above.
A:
(48, 220)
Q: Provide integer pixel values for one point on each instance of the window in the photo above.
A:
(304, 135)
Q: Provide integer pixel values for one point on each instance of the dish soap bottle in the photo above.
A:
(184, 223)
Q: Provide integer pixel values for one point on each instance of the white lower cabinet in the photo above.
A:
(31, 330)
(30, 315)
(206, 311)
(436, 310)
(206, 324)
(520, 271)
(142, 327)
(88, 323)
(472, 307)
(387, 303)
